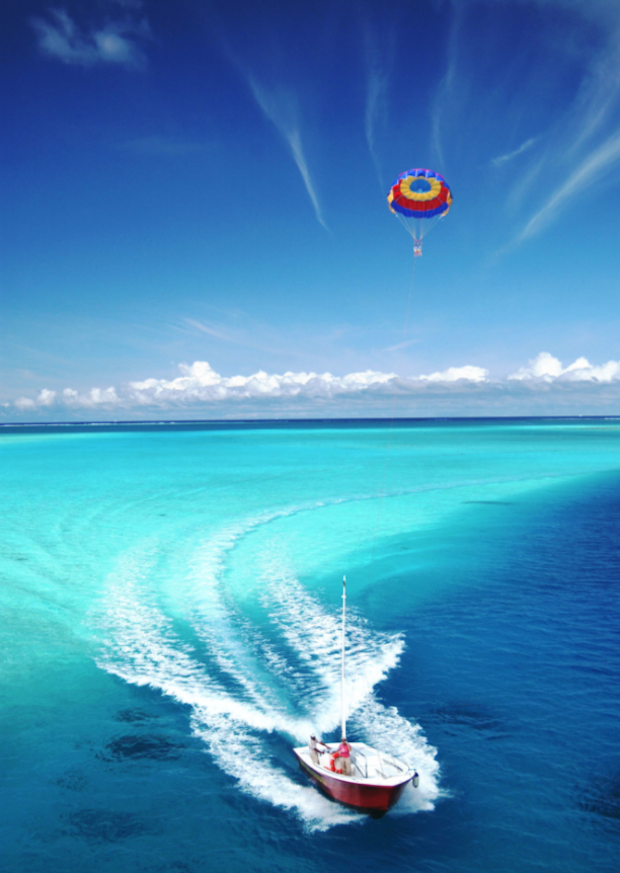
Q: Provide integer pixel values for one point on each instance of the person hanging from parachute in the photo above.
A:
(419, 198)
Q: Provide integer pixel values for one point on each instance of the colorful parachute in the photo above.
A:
(419, 198)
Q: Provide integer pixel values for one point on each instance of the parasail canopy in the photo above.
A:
(419, 198)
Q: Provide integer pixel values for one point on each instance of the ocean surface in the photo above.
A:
(169, 607)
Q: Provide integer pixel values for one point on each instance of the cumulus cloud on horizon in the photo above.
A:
(546, 368)
(200, 385)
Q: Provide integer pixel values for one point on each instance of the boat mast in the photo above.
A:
(342, 708)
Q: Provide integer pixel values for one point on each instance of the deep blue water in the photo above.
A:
(169, 601)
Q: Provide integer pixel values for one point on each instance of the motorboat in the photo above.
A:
(371, 780)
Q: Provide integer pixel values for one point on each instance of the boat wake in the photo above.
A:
(255, 675)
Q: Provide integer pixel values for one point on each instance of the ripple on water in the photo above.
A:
(134, 746)
(133, 716)
(106, 825)
(476, 716)
(72, 780)
(602, 797)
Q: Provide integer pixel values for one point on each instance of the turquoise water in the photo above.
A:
(169, 629)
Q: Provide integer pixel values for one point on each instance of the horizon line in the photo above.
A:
(158, 422)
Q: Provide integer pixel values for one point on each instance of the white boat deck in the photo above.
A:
(367, 764)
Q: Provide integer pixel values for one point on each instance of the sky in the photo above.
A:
(194, 220)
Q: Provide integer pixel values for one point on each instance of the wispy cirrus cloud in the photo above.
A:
(402, 345)
(599, 92)
(441, 106)
(281, 107)
(215, 331)
(524, 147)
(376, 96)
(250, 334)
(379, 52)
(598, 162)
(115, 42)
(587, 138)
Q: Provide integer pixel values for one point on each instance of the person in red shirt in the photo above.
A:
(344, 753)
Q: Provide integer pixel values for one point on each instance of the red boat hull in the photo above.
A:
(364, 796)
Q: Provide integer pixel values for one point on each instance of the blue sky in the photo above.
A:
(194, 218)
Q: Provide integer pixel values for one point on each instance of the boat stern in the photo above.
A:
(372, 795)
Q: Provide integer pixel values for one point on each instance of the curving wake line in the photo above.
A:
(141, 648)
(250, 682)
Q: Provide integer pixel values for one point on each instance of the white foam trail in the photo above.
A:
(237, 648)
(384, 728)
(211, 617)
(314, 634)
(309, 629)
(212, 620)
(242, 756)
(142, 649)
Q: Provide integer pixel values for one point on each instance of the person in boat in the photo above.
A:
(315, 749)
(342, 756)
(344, 753)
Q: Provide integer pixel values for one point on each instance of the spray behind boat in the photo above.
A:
(368, 780)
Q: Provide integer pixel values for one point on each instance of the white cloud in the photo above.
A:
(24, 403)
(199, 383)
(95, 397)
(593, 167)
(405, 344)
(46, 397)
(441, 107)
(375, 111)
(217, 332)
(454, 374)
(544, 386)
(503, 159)
(379, 44)
(576, 156)
(546, 368)
(281, 108)
(116, 42)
